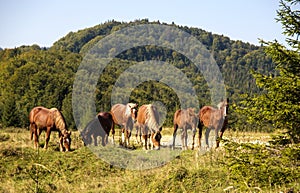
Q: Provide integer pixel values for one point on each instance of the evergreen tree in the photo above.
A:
(279, 102)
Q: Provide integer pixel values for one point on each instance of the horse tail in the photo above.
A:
(112, 126)
(31, 132)
(32, 114)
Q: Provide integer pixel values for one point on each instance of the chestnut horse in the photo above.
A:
(124, 116)
(185, 119)
(213, 118)
(101, 125)
(148, 123)
(41, 118)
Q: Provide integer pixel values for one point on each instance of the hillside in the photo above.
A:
(31, 76)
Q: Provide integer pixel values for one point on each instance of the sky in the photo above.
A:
(27, 22)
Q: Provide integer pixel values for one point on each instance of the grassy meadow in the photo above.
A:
(243, 164)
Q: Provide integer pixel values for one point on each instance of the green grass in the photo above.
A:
(24, 169)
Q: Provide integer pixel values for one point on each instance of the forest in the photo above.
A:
(33, 75)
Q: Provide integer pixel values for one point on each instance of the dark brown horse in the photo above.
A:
(101, 125)
(41, 118)
(124, 116)
(148, 121)
(213, 118)
(185, 119)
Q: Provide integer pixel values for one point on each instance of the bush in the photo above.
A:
(262, 166)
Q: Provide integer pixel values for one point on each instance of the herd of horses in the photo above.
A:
(144, 119)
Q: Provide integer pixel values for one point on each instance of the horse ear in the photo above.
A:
(160, 129)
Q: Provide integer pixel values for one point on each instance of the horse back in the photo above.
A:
(41, 116)
(117, 111)
(34, 112)
(209, 115)
(141, 114)
(185, 116)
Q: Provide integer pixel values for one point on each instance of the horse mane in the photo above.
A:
(59, 119)
(191, 111)
(152, 117)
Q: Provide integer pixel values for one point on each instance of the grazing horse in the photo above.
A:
(124, 116)
(185, 119)
(213, 118)
(148, 121)
(41, 118)
(101, 125)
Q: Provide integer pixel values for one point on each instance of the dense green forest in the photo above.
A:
(32, 75)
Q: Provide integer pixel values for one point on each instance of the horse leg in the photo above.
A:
(36, 137)
(144, 137)
(48, 132)
(123, 136)
(174, 135)
(95, 140)
(222, 132)
(104, 139)
(138, 134)
(60, 136)
(206, 136)
(150, 140)
(219, 139)
(200, 126)
(194, 134)
(128, 134)
(184, 138)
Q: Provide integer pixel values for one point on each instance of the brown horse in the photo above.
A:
(41, 118)
(124, 116)
(185, 119)
(101, 125)
(213, 118)
(148, 121)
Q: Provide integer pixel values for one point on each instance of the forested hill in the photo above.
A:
(31, 76)
(235, 58)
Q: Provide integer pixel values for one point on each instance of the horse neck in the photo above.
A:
(221, 111)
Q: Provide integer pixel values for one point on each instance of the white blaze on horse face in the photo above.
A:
(225, 111)
(134, 114)
(68, 141)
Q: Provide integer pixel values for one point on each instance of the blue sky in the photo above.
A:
(30, 22)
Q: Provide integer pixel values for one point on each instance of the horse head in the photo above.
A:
(65, 140)
(131, 110)
(155, 138)
(86, 137)
(224, 106)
